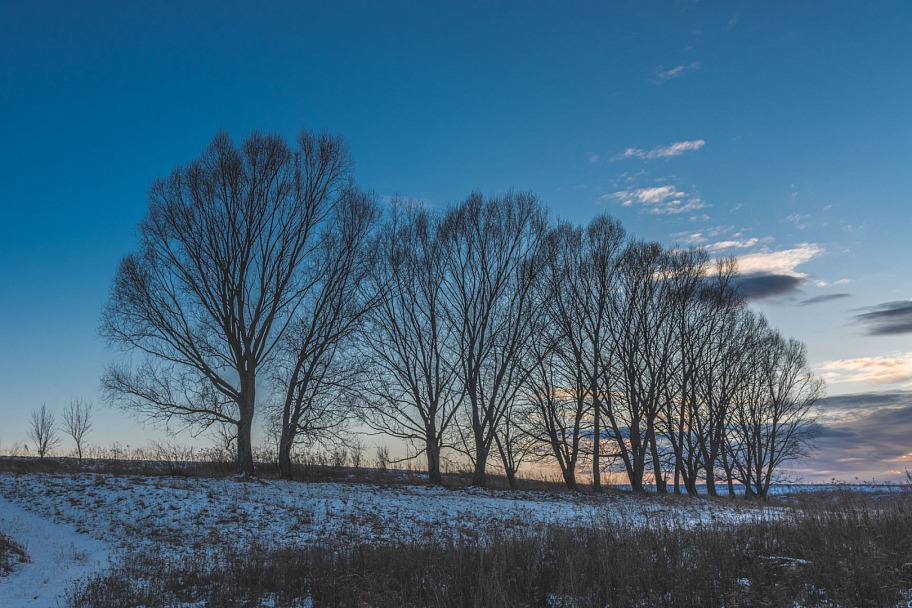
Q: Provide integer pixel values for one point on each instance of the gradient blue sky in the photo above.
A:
(778, 131)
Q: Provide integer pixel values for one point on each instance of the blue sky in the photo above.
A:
(778, 131)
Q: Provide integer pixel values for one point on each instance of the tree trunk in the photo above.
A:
(596, 444)
(570, 479)
(690, 484)
(711, 481)
(245, 446)
(636, 481)
(661, 486)
(479, 476)
(511, 477)
(286, 442)
(432, 450)
(246, 405)
(509, 469)
(729, 475)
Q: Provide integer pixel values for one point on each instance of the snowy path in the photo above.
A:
(57, 553)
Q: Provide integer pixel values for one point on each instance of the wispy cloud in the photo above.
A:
(830, 297)
(822, 283)
(658, 200)
(896, 369)
(691, 238)
(723, 238)
(783, 262)
(887, 319)
(799, 219)
(733, 244)
(704, 235)
(664, 74)
(676, 149)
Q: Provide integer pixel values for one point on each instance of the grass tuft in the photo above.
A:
(11, 553)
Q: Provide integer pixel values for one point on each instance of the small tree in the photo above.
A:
(77, 422)
(315, 370)
(412, 392)
(43, 430)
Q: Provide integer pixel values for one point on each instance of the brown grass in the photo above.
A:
(306, 470)
(843, 551)
(11, 553)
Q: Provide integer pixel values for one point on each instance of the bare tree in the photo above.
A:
(412, 392)
(556, 407)
(317, 369)
(513, 442)
(491, 302)
(642, 365)
(719, 373)
(43, 430)
(218, 276)
(582, 275)
(77, 422)
(773, 421)
(679, 420)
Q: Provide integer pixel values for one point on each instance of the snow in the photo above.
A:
(188, 512)
(58, 554)
(71, 524)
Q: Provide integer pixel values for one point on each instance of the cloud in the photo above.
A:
(864, 436)
(720, 238)
(824, 298)
(825, 431)
(888, 319)
(784, 262)
(664, 74)
(760, 286)
(733, 244)
(799, 219)
(894, 369)
(822, 283)
(862, 401)
(676, 149)
(659, 200)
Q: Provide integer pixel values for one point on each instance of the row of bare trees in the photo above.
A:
(505, 336)
(265, 277)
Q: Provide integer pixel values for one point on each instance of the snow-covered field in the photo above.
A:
(72, 524)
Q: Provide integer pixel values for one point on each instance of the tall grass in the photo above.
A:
(849, 552)
(11, 553)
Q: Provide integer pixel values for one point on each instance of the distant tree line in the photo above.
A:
(264, 278)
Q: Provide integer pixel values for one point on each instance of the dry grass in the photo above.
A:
(316, 469)
(11, 553)
(844, 551)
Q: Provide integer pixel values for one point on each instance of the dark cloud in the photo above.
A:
(760, 286)
(828, 432)
(826, 298)
(863, 436)
(860, 401)
(887, 319)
